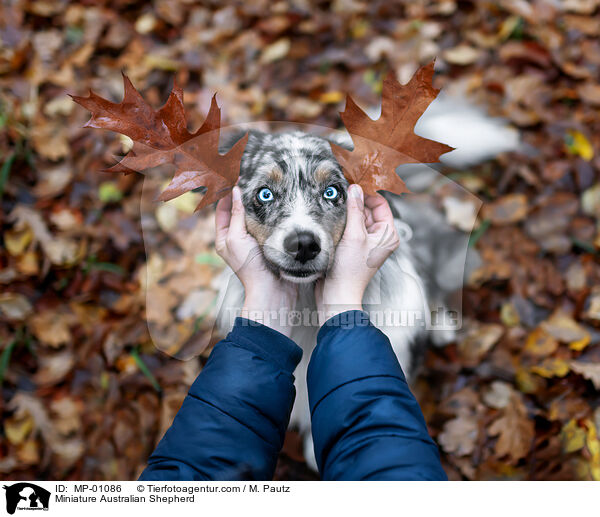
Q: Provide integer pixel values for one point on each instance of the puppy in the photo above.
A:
(294, 193)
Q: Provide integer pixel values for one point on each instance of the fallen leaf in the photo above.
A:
(459, 435)
(564, 328)
(590, 200)
(17, 429)
(540, 344)
(506, 210)
(479, 340)
(275, 51)
(27, 263)
(14, 306)
(592, 305)
(590, 92)
(509, 315)
(498, 395)
(592, 443)
(66, 413)
(51, 327)
(551, 367)
(461, 55)
(527, 382)
(572, 436)
(578, 144)
(332, 97)
(50, 140)
(53, 367)
(53, 181)
(515, 430)
(60, 250)
(29, 452)
(108, 192)
(460, 213)
(16, 241)
(565, 407)
(590, 371)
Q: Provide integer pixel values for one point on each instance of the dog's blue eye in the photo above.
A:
(330, 193)
(265, 195)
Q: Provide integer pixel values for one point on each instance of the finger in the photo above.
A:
(222, 219)
(223, 214)
(355, 217)
(380, 209)
(237, 225)
(369, 221)
(385, 236)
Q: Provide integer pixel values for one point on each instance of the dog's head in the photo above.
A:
(294, 193)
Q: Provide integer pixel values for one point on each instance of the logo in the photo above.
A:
(26, 496)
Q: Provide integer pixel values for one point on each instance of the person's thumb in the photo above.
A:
(355, 218)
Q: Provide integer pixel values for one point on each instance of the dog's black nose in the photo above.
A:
(303, 246)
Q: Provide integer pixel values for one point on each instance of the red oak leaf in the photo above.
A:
(381, 145)
(161, 137)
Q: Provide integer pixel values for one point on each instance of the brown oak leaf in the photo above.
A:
(515, 430)
(161, 137)
(383, 144)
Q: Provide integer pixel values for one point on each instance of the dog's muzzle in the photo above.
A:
(302, 246)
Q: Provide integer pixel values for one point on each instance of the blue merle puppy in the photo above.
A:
(294, 193)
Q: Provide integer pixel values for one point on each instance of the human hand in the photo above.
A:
(369, 238)
(263, 292)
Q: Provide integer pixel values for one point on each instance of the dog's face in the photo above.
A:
(294, 193)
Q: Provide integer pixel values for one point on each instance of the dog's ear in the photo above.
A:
(230, 138)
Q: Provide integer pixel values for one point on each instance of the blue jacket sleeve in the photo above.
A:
(366, 423)
(232, 423)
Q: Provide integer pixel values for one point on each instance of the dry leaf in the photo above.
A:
(551, 367)
(14, 306)
(461, 213)
(462, 55)
(540, 344)
(479, 340)
(161, 137)
(459, 435)
(515, 430)
(499, 395)
(572, 436)
(590, 371)
(381, 145)
(60, 250)
(16, 241)
(51, 327)
(564, 328)
(592, 305)
(17, 429)
(507, 209)
(53, 367)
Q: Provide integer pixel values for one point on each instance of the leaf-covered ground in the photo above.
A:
(89, 378)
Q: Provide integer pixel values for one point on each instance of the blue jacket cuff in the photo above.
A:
(266, 342)
(339, 344)
(344, 320)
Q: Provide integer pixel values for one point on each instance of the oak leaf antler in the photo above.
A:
(161, 137)
(383, 144)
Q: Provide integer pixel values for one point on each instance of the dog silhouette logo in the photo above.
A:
(26, 496)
